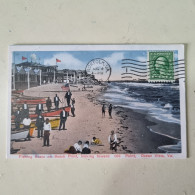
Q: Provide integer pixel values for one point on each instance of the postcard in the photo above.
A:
(96, 102)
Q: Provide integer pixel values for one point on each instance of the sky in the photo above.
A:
(78, 60)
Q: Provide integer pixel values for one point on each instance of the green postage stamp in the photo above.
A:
(160, 66)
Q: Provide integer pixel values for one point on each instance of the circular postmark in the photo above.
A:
(99, 68)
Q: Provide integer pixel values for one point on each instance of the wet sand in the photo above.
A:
(131, 127)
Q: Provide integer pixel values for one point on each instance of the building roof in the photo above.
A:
(35, 65)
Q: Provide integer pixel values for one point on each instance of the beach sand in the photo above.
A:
(132, 128)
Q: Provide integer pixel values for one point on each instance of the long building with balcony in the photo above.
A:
(29, 74)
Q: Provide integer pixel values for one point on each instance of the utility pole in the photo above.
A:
(29, 78)
(74, 78)
(54, 77)
(40, 76)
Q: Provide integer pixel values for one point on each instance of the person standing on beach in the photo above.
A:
(39, 125)
(17, 119)
(25, 110)
(73, 101)
(56, 101)
(68, 97)
(48, 104)
(110, 110)
(112, 140)
(39, 109)
(47, 130)
(103, 110)
(27, 122)
(72, 110)
(63, 118)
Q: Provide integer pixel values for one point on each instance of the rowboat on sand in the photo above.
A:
(54, 123)
(47, 114)
(17, 91)
(31, 101)
(19, 134)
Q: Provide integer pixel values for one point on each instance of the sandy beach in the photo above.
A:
(133, 134)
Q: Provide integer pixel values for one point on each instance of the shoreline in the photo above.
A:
(150, 128)
(132, 133)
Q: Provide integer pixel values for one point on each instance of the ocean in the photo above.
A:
(160, 101)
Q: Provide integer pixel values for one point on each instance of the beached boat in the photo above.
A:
(17, 91)
(31, 101)
(47, 114)
(54, 123)
(19, 134)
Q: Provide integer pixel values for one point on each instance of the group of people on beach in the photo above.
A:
(44, 126)
(77, 147)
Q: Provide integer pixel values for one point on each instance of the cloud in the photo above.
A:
(115, 62)
(68, 61)
(33, 57)
(141, 58)
(115, 58)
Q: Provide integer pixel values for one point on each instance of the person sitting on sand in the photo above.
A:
(78, 147)
(112, 139)
(86, 149)
(95, 141)
(74, 149)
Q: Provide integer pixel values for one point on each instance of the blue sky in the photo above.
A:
(79, 59)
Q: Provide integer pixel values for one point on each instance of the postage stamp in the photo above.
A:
(96, 102)
(161, 66)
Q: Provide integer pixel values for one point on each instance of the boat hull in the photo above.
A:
(47, 114)
(19, 135)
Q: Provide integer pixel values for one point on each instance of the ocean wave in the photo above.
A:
(158, 100)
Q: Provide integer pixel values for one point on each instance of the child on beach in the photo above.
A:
(47, 130)
(72, 110)
(73, 101)
(95, 141)
(112, 139)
